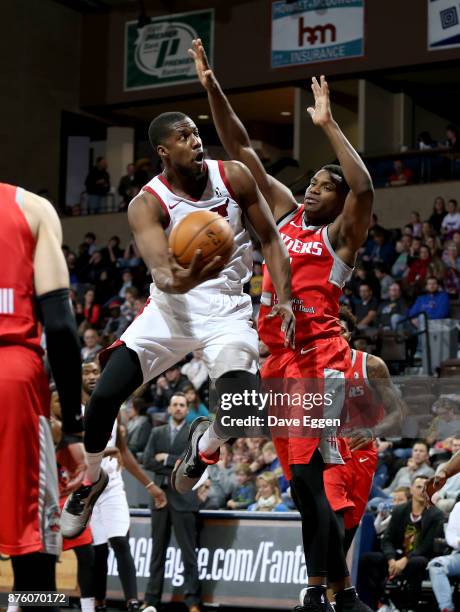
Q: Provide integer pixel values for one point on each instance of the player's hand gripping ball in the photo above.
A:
(203, 230)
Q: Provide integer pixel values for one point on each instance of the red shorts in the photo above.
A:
(29, 496)
(318, 361)
(348, 486)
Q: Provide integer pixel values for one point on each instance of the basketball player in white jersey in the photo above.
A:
(189, 309)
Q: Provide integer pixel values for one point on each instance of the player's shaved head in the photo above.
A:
(161, 127)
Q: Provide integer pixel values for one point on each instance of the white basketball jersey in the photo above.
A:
(218, 197)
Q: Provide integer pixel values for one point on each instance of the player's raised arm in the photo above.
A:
(147, 220)
(273, 249)
(235, 139)
(349, 230)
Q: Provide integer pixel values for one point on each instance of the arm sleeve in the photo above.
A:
(63, 347)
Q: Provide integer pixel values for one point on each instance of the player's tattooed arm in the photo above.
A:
(349, 230)
(235, 139)
(274, 251)
(147, 220)
(385, 393)
(395, 407)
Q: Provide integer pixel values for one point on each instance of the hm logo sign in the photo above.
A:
(317, 34)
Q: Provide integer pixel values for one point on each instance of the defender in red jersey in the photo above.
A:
(322, 238)
(372, 408)
(33, 278)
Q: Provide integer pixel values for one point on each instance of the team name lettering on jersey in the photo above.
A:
(297, 246)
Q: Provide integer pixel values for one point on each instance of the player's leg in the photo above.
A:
(231, 352)
(85, 575)
(101, 555)
(126, 569)
(121, 376)
(147, 349)
(35, 572)
(320, 530)
(110, 522)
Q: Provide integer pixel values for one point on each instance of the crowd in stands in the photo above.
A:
(442, 164)
(400, 274)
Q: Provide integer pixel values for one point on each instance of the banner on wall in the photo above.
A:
(310, 31)
(156, 55)
(241, 562)
(443, 24)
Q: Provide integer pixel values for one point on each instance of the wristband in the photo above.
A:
(151, 484)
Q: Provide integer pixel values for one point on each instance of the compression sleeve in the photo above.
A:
(63, 347)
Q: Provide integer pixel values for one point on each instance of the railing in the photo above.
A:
(427, 166)
(106, 204)
(425, 332)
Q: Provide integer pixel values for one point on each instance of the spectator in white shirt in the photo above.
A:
(451, 221)
(92, 345)
(196, 370)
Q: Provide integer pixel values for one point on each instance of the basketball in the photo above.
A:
(204, 230)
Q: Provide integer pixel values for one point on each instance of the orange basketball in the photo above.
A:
(204, 230)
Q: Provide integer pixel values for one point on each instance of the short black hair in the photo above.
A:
(160, 127)
(420, 441)
(346, 315)
(337, 170)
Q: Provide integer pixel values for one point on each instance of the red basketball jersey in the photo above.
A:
(361, 408)
(318, 276)
(18, 321)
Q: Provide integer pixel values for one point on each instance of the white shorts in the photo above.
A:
(110, 518)
(171, 326)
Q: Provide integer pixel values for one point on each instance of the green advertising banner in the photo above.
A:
(156, 55)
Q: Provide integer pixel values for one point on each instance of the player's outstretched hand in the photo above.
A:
(434, 484)
(204, 72)
(321, 113)
(73, 458)
(185, 279)
(288, 325)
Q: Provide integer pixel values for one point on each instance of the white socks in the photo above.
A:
(94, 466)
(87, 604)
(209, 442)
